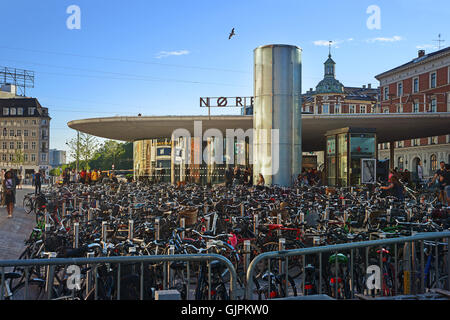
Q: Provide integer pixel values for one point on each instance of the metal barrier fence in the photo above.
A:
(51, 264)
(410, 260)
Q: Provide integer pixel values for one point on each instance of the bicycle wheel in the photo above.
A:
(28, 205)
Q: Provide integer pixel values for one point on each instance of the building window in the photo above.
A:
(11, 133)
(20, 111)
(386, 93)
(44, 157)
(13, 111)
(25, 157)
(19, 133)
(433, 162)
(3, 157)
(44, 122)
(416, 106)
(19, 144)
(33, 133)
(416, 85)
(434, 140)
(33, 122)
(385, 110)
(399, 108)
(400, 163)
(415, 142)
(31, 111)
(4, 145)
(337, 108)
(25, 145)
(33, 157)
(11, 157)
(6, 111)
(5, 132)
(433, 105)
(399, 89)
(362, 109)
(25, 133)
(433, 80)
(33, 145)
(325, 108)
(25, 121)
(351, 108)
(11, 145)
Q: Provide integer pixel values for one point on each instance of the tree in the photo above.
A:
(83, 148)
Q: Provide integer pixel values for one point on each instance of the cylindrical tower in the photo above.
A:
(277, 114)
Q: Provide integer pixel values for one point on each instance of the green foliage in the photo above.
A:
(113, 152)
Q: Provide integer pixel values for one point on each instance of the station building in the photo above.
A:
(323, 118)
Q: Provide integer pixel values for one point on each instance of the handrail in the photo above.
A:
(132, 259)
(335, 248)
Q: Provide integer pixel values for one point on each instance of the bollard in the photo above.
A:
(130, 230)
(169, 274)
(90, 216)
(156, 228)
(207, 219)
(255, 223)
(246, 255)
(76, 234)
(63, 213)
(279, 222)
(182, 225)
(104, 231)
(281, 247)
(242, 209)
(213, 228)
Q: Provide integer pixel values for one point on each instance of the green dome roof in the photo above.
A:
(329, 84)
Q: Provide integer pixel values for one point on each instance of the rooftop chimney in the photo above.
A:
(364, 86)
(369, 86)
(421, 53)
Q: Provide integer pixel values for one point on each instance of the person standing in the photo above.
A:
(9, 186)
(228, 178)
(37, 182)
(442, 178)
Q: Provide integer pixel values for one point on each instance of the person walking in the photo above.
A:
(395, 188)
(9, 195)
(442, 177)
(37, 182)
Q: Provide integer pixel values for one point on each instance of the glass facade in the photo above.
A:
(183, 160)
(345, 149)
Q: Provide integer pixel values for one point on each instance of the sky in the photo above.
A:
(159, 57)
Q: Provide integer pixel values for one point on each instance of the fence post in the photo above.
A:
(279, 221)
(207, 219)
(89, 275)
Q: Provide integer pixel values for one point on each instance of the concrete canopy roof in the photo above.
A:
(389, 126)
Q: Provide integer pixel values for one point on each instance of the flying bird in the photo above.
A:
(231, 34)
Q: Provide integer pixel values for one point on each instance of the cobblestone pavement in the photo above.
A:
(14, 231)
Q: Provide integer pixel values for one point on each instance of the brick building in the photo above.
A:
(418, 86)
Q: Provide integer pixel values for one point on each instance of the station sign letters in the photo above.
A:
(220, 102)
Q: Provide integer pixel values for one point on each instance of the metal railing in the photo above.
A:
(51, 264)
(339, 248)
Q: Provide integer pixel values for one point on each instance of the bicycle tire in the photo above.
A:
(27, 205)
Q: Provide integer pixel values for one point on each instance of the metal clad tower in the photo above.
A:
(277, 114)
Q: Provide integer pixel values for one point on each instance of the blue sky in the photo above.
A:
(159, 57)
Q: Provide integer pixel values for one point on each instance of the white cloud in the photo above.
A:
(335, 43)
(163, 54)
(383, 39)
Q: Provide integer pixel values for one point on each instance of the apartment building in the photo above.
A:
(24, 133)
